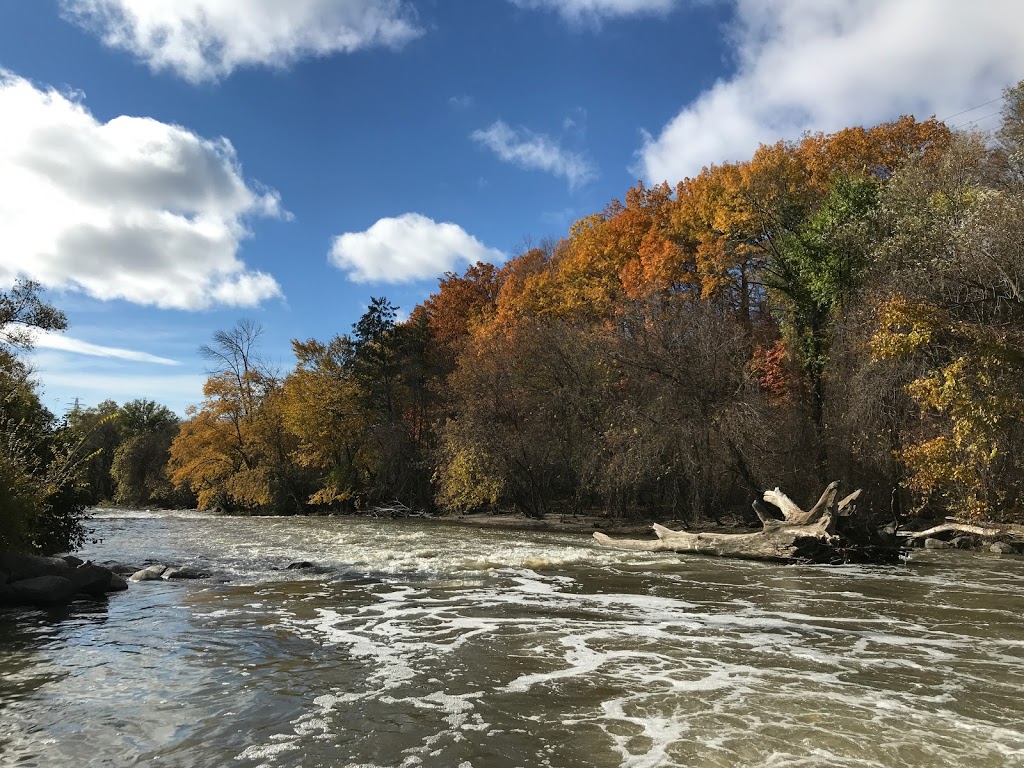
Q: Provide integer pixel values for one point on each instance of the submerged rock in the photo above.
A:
(300, 565)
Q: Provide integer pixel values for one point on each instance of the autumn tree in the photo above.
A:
(233, 451)
(526, 412)
(359, 407)
(953, 310)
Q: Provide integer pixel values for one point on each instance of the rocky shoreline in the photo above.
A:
(35, 581)
(42, 581)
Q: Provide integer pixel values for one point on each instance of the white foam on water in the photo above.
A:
(647, 659)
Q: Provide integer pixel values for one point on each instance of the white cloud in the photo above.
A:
(62, 343)
(130, 209)
(406, 248)
(535, 152)
(827, 64)
(208, 39)
(576, 11)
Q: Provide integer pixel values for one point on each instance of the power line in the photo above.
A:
(977, 120)
(964, 112)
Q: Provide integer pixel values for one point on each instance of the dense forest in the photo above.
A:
(846, 306)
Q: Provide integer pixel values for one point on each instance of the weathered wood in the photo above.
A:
(988, 532)
(808, 537)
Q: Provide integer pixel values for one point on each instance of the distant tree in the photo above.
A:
(99, 432)
(139, 467)
(233, 451)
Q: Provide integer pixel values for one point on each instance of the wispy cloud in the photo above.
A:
(594, 11)
(203, 40)
(461, 101)
(131, 209)
(62, 343)
(533, 151)
(407, 248)
(826, 65)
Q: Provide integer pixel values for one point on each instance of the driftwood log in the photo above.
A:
(1007, 531)
(823, 534)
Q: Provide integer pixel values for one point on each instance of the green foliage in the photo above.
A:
(40, 505)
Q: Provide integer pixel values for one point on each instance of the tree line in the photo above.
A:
(848, 305)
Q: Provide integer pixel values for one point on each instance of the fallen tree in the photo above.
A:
(1011, 536)
(829, 532)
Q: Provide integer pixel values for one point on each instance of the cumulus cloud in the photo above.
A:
(406, 248)
(208, 39)
(576, 11)
(62, 343)
(826, 64)
(534, 151)
(131, 209)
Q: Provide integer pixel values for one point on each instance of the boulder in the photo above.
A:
(935, 544)
(118, 583)
(1003, 548)
(91, 579)
(124, 569)
(42, 590)
(148, 574)
(185, 573)
(34, 580)
(19, 567)
(299, 565)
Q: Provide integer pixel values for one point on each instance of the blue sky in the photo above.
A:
(170, 166)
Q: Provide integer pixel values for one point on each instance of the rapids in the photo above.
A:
(416, 643)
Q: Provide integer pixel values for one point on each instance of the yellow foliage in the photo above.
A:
(903, 327)
(464, 483)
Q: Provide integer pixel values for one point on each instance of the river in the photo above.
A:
(415, 643)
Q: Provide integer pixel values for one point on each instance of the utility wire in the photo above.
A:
(964, 112)
(977, 120)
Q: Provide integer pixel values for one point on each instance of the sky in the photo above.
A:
(169, 167)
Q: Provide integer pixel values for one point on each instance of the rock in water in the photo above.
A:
(19, 567)
(935, 544)
(149, 574)
(34, 580)
(299, 565)
(91, 579)
(185, 573)
(42, 590)
(1003, 548)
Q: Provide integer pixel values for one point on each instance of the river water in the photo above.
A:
(425, 644)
